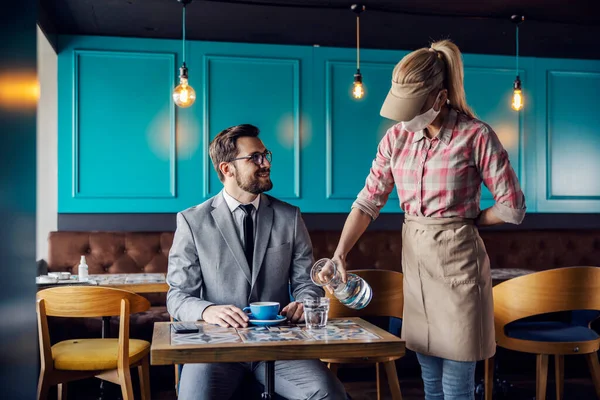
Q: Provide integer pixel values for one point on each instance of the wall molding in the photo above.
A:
(296, 113)
(329, 121)
(550, 73)
(301, 100)
(75, 164)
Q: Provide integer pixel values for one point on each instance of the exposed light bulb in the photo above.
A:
(358, 90)
(517, 99)
(517, 102)
(184, 95)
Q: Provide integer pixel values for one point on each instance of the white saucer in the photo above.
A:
(268, 322)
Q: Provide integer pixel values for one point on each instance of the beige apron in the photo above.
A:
(448, 308)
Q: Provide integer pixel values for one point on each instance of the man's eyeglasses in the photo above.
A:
(257, 158)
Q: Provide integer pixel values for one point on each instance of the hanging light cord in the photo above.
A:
(183, 34)
(517, 50)
(357, 42)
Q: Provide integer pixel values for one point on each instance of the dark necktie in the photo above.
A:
(248, 232)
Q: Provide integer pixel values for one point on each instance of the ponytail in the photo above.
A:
(454, 75)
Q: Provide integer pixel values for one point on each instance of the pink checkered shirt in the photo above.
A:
(441, 177)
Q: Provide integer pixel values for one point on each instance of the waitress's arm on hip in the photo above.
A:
(499, 177)
(378, 186)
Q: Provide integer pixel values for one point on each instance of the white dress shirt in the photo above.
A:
(238, 214)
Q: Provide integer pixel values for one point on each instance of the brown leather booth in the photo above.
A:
(131, 252)
(138, 252)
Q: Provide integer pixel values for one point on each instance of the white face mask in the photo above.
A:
(421, 121)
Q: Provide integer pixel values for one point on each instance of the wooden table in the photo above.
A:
(141, 287)
(162, 352)
(157, 284)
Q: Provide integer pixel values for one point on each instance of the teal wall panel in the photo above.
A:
(352, 128)
(124, 147)
(268, 86)
(568, 136)
(135, 123)
(573, 151)
(119, 134)
(270, 100)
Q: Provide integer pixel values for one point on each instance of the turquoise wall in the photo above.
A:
(124, 146)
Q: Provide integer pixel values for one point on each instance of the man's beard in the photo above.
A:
(254, 184)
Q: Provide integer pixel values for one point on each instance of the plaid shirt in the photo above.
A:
(441, 177)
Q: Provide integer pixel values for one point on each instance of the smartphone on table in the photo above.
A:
(185, 327)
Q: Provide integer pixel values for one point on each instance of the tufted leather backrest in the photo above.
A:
(109, 252)
(543, 249)
(130, 252)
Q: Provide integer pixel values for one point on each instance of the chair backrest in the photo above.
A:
(387, 300)
(89, 301)
(560, 289)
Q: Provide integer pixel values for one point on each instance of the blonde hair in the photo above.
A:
(442, 62)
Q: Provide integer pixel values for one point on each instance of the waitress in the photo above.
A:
(437, 158)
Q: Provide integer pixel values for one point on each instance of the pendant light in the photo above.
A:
(358, 90)
(184, 95)
(517, 98)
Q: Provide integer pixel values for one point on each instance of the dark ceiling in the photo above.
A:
(551, 29)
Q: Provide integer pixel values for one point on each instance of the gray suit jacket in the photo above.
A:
(207, 264)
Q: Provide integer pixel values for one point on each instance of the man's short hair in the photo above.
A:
(223, 147)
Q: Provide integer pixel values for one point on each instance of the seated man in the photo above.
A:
(239, 247)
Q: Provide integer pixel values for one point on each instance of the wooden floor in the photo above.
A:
(360, 381)
(412, 389)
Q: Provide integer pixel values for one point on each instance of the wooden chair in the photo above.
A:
(107, 359)
(556, 290)
(387, 301)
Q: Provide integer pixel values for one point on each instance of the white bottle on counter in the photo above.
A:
(83, 270)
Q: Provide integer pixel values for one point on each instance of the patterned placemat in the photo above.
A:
(207, 334)
(272, 334)
(342, 330)
(335, 330)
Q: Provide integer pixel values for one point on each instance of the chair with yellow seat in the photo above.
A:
(387, 301)
(574, 289)
(107, 359)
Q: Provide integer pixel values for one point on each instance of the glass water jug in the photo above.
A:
(355, 293)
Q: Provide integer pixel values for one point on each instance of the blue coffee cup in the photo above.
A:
(263, 310)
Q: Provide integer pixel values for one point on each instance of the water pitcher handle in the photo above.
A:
(325, 264)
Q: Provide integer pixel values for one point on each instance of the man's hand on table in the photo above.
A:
(294, 312)
(225, 316)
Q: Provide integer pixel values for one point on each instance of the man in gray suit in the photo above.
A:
(239, 247)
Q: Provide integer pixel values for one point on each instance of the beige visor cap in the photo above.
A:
(405, 100)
